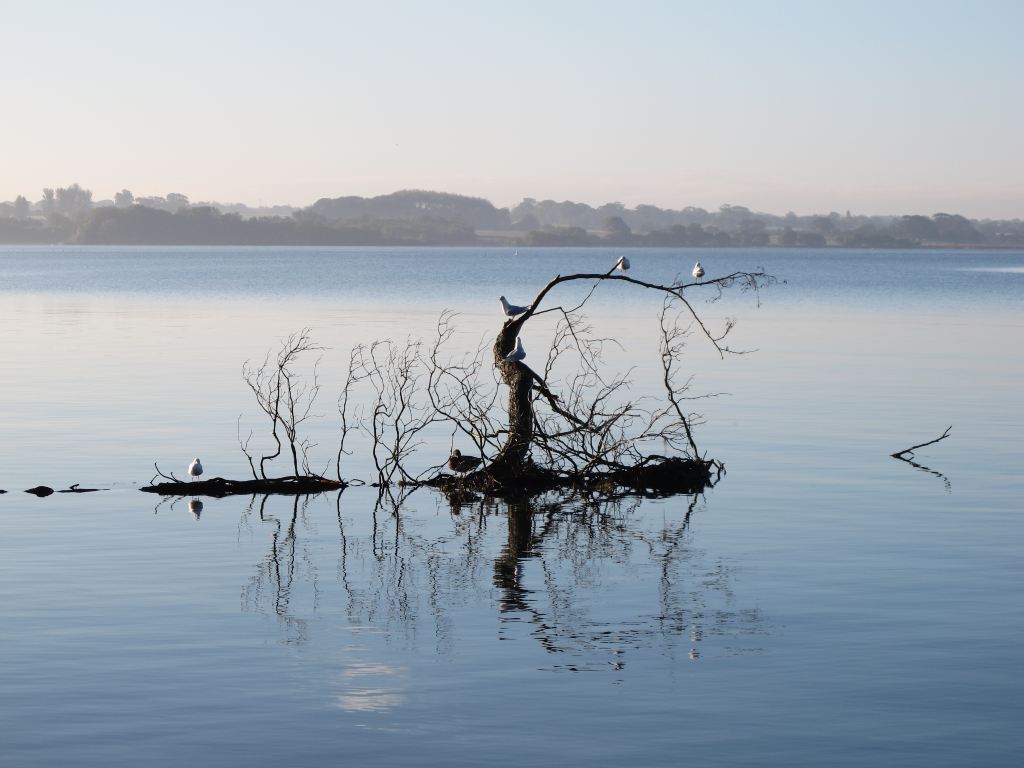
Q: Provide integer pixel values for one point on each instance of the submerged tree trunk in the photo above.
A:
(516, 451)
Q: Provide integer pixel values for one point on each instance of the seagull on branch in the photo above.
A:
(511, 310)
(516, 354)
(698, 270)
(622, 264)
(195, 469)
(462, 464)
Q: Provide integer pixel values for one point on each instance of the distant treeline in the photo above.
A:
(413, 217)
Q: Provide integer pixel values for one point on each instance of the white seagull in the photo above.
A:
(622, 264)
(698, 270)
(516, 354)
(195, 469)
(511, 310)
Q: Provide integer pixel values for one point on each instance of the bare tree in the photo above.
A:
(582, 430)
(585, 427)
(349, 421)
(399, 412)
(286, 398)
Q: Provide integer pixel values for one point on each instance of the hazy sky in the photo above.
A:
(808, 106)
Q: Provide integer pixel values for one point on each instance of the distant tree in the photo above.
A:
(616, 230)
(648, 218)
(48, 203)
(612, 209)
(157, 203)
(414, 204)
(527, 222)
(73, 202)
(955, 229)
(916, 228)
(21, 207)
(524, 209)
(124, 198)
(176, 201)
(822, 224)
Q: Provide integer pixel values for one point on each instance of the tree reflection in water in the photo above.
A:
(590, 579)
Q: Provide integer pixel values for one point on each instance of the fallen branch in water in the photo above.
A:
(907, 455)
(300, 485)
(908, 452)
(656, 475)
(74, 488)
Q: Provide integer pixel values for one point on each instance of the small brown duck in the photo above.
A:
(463, 464)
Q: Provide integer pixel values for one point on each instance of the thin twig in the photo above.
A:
(910, 451)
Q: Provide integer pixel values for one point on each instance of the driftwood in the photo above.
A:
(41, 491)
(292, 485)
(656, 474)
(300, 485)
(75, 489)
(907, 453)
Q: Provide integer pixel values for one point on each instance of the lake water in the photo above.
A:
(825, 604)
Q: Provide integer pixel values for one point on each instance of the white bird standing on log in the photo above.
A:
(511, 310)
(698, 271)
(195, 469)
(516, 354)
(622, 264)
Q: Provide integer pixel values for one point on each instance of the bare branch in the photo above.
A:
(908, 452)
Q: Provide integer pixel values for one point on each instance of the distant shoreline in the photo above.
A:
(417, 218)
(502, 246)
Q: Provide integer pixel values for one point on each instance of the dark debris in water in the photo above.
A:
(42, 491)
(658, 476)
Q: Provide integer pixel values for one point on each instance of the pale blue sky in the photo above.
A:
(877, 107)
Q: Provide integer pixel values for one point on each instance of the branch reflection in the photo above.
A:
(591, 580)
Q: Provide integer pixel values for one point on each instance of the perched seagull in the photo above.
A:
(462, 464)
(622, 264)
(698, 270)
(516, 354)
(195, 469)
(511, 310)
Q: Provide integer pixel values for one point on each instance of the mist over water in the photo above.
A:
(824, 604)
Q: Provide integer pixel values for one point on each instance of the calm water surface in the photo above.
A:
(823, 605)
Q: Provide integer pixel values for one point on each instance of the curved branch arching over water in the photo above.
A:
(514, 463)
